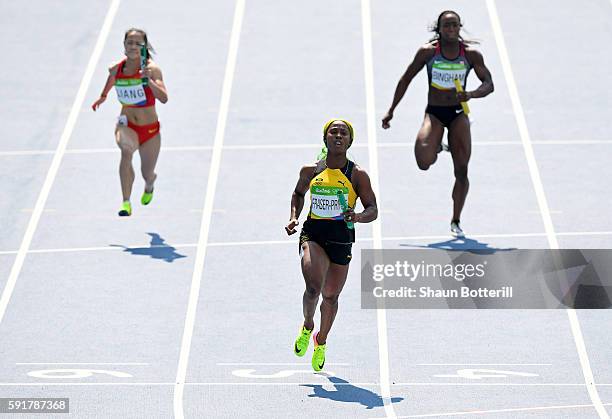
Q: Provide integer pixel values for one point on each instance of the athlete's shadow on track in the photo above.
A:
(465, 244)
(348, 393)
(158, 249)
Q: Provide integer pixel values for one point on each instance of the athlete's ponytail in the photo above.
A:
(150, 49)
(435, 28)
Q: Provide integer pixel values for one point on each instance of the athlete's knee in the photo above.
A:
(331, 298)
(126, 143)
(126, 158)
(312, 290)
(148, 175)
(423, 165)
(461, 172)
(425, 162)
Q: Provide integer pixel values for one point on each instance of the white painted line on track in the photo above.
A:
(100, 248)
(253, 243)
(541, 197)
(304, 364)
(168, 149)
(55, 383)
(464, 384)
(293, 242)
(222, 384)
(297, 383)
(57, 158)
(523, 365)
(81, 363)
(522, 124)
(518, 409)
(381, 315)
(211, 187)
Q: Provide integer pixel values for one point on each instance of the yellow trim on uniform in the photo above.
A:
(323, 188)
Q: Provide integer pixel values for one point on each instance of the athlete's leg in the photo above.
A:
(460, 143)
(334, 282)
(315, 264)
(149, 152)
(127, 140)
(428, 141)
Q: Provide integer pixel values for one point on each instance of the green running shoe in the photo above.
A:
(146, 198)
(318, 357)
(301, 343)
(126, 209)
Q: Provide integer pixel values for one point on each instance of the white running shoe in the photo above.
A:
(456, 230)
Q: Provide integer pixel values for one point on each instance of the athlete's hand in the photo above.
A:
(148, 72)
(98, 102)
(290, 228)
(349, 215)
(463, 96)
(385, 121)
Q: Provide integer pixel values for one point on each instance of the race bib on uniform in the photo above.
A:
(130, 91)
(325, 202)
(443, 74)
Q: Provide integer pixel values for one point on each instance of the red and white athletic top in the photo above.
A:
(130, 89)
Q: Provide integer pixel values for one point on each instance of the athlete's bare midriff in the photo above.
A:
(436, 97)
(140, 116)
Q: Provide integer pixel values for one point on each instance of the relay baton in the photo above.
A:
(344, 207)
(144, 55)
(464, 105)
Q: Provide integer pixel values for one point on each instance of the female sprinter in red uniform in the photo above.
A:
(137, 127)
(447, 56)
(326, 238)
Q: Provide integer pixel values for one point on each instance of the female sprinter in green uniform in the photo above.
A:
(138, 126)
(443, 104)
(326, 239)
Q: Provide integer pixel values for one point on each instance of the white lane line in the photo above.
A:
(519, 409)
(541, 197)
(506, 365)
(279, 363)
(57, 158)
(293, 242)
(81, 363)
(252, 383)
(495, 384)
(118, 384)
(381, 315)
(522, 125)
(252, 243)
(55, 383)
(211, 187)
(168, 149)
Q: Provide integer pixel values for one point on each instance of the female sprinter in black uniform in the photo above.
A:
(443, 104)
(326, 239)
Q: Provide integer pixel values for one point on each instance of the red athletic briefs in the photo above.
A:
(145, 132)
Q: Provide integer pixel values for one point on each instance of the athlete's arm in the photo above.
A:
(297, 198)
(419, 61)
(156, 82)
(483, 73)
(110, 82)
(363, 187)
